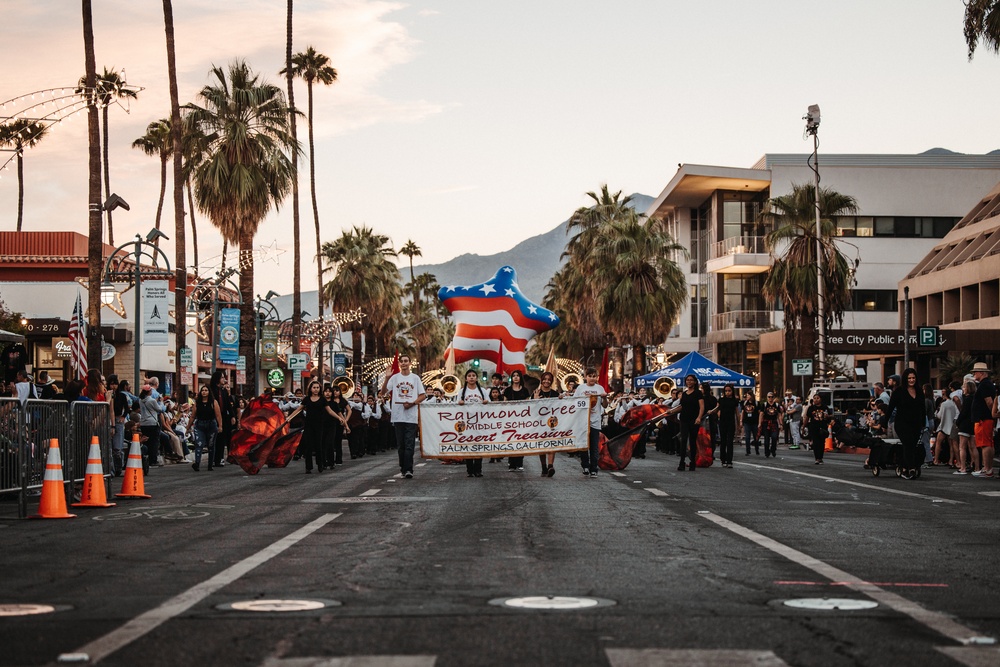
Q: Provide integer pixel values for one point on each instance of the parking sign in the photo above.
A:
(927, 336)
(802, 367)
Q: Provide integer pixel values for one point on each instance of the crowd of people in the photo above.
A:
(956, 427)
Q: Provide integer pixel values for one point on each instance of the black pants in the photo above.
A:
(222, 443)
(474, 466)
(515, 462)
(312, 446)
(727, 432)
(356, 441)
(333, 447)
(689, 440)
(818, 444)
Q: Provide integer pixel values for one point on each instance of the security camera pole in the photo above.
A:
(812, 129)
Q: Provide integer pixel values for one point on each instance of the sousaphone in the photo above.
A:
(570, 377)
(662, 387)
(345, 384)
(449, 385)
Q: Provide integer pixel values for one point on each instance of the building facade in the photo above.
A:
(907, 204)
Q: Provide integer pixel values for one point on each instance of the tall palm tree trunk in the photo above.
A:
(297, 254)
(312, 190)
(95, 220)
(180, 248)
(20, 189)
(248, 331)
(194, 227)
(107, 175)
(163, 194)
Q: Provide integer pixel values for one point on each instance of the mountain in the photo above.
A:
(535, 259)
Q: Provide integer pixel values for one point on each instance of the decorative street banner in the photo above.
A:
(515, 428)
(269, 346)
(229, 335)
(155, 312)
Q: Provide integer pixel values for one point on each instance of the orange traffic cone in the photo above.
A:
(132, 485)
(53, 504)
(94, 494)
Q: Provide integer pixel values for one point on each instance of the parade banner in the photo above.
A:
(516, 428)
(269, 346)
(155, 312)
(229, 335)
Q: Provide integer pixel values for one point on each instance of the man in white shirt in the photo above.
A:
(598, 399)
(407, 393)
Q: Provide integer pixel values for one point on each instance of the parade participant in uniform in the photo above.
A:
(691, 412)
(546, 390)
(907, 402)
(407, 393)
(590, 459)
(473, 394)
(371, 425)
(770, 424)
(207, 424)
(356, 429)
(219, 386)
(729, 407)
(516, 392)
(816, 420)
(316, 411)
(386, 437)
(334, 426)
(711, 413)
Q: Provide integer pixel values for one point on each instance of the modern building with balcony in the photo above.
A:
(907, 204)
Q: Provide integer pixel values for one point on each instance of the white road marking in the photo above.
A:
(619, 474)
(972, 656)
(657, 492)
(990, 494)
(370, 492)
(861, 484)
(664, 657)
(421, 464)
(355, 661)
(147, 622)
(390, 480)
(940, 623)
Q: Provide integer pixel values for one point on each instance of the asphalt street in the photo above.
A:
(678, 568)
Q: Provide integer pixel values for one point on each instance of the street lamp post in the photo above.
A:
(206, 294)
(265, 310)
(116, 271)
(812, 128)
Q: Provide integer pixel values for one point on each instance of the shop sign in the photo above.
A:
(874, 341)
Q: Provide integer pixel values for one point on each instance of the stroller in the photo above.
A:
(882, 453)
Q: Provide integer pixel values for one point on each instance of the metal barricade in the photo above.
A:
(25, 433)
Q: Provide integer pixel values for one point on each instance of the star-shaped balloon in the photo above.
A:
(494, 320)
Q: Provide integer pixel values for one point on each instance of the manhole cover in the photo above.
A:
(25, 609)
(831, 604)
(278, 606)
(551, 602)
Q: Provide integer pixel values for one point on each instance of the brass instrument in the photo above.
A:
(449, 384)
(570, 377)
(345, 384)
(662, 387)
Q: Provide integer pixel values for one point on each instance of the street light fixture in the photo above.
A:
(265, 311)
(116, 269)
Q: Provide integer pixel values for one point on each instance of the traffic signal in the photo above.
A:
(475, 363)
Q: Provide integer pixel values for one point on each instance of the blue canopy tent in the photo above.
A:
(705, 370)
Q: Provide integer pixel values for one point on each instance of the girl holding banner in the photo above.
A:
(545, 390)
(472, 393)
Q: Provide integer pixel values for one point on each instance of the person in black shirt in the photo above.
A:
(207, 424)
(315, 411)
(333, 427)
(749, 418)
(729, 406)
(692, 411)
(911, 418)
(711, 413)
(120, 407)
(770, 424)
(817, 416)
(516, 392)
(546, 390)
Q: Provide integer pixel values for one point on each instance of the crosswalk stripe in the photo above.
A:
(370, 492)
(666, 657)
(657, 492)
(972, 656)
(355, 661)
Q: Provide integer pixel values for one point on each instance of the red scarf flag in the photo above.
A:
(264, 437)
(616, 453)
(395, 365)
(603, 377)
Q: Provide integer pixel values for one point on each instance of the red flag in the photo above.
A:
(603, 377)
(395, 365)
(262, 427)
(616, 453)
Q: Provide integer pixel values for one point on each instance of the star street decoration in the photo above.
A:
(494, 320)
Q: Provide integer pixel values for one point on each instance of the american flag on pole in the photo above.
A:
(494, 320)
(78, 340)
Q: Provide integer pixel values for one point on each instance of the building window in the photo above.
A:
(874, 300)
(895, 226)
(743, 292)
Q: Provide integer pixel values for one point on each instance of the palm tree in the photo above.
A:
(411, 250)
(363, 276)
(247, 169)
(640, 289)
(194, 145)
(95, 246)
(296, 234)
(157, 142)
(313, 67)
(954, 367)
(110, 87)
(17, 135)
(792, 277)
(180, 244)
(982, 25)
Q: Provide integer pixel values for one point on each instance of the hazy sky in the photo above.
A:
(469, 126)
